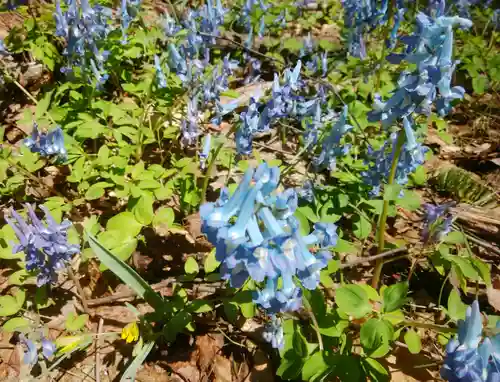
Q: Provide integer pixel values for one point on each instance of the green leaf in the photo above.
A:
(10, 305)
(200, 306)
(308, 212)
(177, 324)
(344, 246)
(76, 322)
(410, 201)
(303, 221)
(191, 266)
(300, 344)
(211, 263)
(94, 192)
(126, 274)
(126, 223)
(143, 209)
(394, 297)
(392, 191)
(362, 227)
(465, 266)
(372, 293)
(131, 369)
(17, 324)
(375, 370)
(479, 83)
(456, 308)
(455, 237)
(353, 301)
(290, 367)
(315, 367)
(412, 339)
(164, 218)
(375, 335)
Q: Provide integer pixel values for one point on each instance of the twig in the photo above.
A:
(75, 280)
(425, 325)
(203, 287)
(97, 346)
(372, 258)
(230, 339)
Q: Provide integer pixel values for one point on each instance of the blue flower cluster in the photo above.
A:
(331, 147)
(128, 10)
(246, 13)
(189, 61)
(438, 7)
(364, 15)
(85, 30)
(316, 61)
(285, 102)
(470, 357)
(273, 333)
(47, 144)
(256, 235)
(45, 245)
(31, 352)
(412, 155)
(437, 222)
(430, 48)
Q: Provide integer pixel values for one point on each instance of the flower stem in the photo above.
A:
(206, 179)
(385, 209)
(307, 305)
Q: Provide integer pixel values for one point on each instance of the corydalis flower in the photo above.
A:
(364, 15)
(430, 48)
(85, 30)
(45, 245)
(331, 147)
(470, 357)
(128, 10)
(47, 144)
(380, 161)
(256, 235)
(161, 80)
(31, 351)
(273, 333)
(437, 222)
(206, 150)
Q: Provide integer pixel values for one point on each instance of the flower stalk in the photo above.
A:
(385, 209)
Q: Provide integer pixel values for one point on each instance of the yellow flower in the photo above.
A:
(130, 333)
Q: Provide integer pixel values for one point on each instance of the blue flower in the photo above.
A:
(3, 49)
(161, 80)
(306, 192)
(466, 360)
(331, 147)
(85, 30)
(48, 348)
(31, 353)
(206, 151)
(380, 161)
(45, 245)
(437, 222)
(273, 333)
(47, 144)
(256, 235)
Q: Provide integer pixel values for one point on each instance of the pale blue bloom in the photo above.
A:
(206, 150)
(437, 222)
(331, 147)
(47, 144)
(273, 333)
(256, 235)
(45, 245)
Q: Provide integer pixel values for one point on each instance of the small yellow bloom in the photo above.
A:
(130, 333)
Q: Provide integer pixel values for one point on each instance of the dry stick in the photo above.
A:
(372, 258)
(210, 287)
(97, 346)
(205, 287)
(79, 288)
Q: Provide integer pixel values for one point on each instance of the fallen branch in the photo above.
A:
(130, 294)
(372, 258)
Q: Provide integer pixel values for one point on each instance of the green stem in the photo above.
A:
(424, 325)
(387, 33)
(206, 179)
(307, 305)
(385, 209)
(79, 289)
(138, 150)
